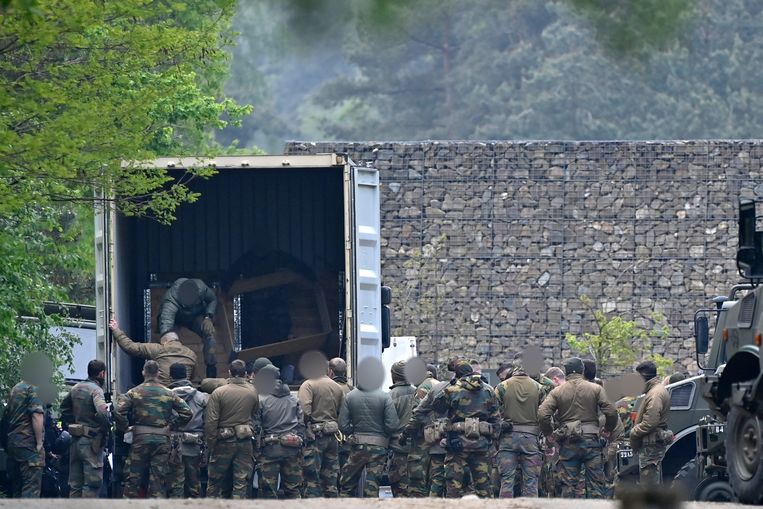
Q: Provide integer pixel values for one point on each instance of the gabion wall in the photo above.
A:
(489, 246)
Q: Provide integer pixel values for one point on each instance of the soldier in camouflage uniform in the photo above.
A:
(370, 418)
(650, 435)
(188, 440)
(424, 416)
(25, 416)
(418, 458)
(519, 448)
(472, 408)
(86, 413)
(151, 406)
(281, 425)
(167, 352)
(548, 486)
(402, 394)
(578, 403)
(231, 410)
(338, 373)
(321, 398)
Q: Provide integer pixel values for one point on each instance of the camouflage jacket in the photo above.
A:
(85, 404)
(22, 403)
(469, 397)
(151, 404)
(165, 355)
(170, 310)
(423, 389)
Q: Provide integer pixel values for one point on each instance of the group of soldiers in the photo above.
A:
(437, 438)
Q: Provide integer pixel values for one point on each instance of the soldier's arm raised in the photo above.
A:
(142, 350)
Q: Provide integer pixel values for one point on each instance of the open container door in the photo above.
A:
(363, 251)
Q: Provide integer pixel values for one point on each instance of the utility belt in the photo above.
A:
(435, 431)
(473, 428)
(575, 430)
(184, 437)
(240, 431)
(369, 439)
(82, 430)
(660, 436)
(324, 428)
(140, 429)
(286, 440)
(526, 428)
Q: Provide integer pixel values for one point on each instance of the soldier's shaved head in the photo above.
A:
(150, 369)
(556, 375)
(338, 366)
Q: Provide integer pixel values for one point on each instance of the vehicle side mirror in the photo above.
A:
(701, 334)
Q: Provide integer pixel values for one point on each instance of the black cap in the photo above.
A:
(573, 365)
(259, 363)
(647, 370)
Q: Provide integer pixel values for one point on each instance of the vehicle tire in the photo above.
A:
(744, 455)
(714, 489)
(687, 480)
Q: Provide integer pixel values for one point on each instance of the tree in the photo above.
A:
(617, 344)
(84, 86)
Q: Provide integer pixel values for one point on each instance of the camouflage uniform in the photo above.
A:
(165, 355)
(85, 410)
(418, 458)
(519, 397)
(320, 399)
(151, 406)
(280, 418)
(424, 415)
(579, 401)
(468, 397)
(23, 402)
(644, 437)
(370, 418)
(188, 444)
(228, 430)
(402, 394)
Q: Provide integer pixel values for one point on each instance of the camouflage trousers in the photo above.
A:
(650, 463)
(85, 469)
(478, 464)
(437, 475)
(372, 458)
(30, 464)
(398, 475)
(519, 451)
(235, 457)
(321, 467)
(290, 469)
(148, 454)
(184, 476)
(575, 456)
(418, 461)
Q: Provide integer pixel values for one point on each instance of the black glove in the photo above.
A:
(454, 442)
(402, 440)
(211, 371)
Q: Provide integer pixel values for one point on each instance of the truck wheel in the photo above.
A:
(744, 455)
(687, 479)
(714, 489)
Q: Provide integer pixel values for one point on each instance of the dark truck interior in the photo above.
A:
(269, 242)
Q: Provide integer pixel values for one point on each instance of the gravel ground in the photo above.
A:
(465, 503)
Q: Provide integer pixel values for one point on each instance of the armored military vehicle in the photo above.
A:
(735, 392)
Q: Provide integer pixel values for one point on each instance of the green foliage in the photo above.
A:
(84, 86)
(618, 344)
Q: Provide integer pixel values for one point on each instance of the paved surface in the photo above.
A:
(348, 503)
